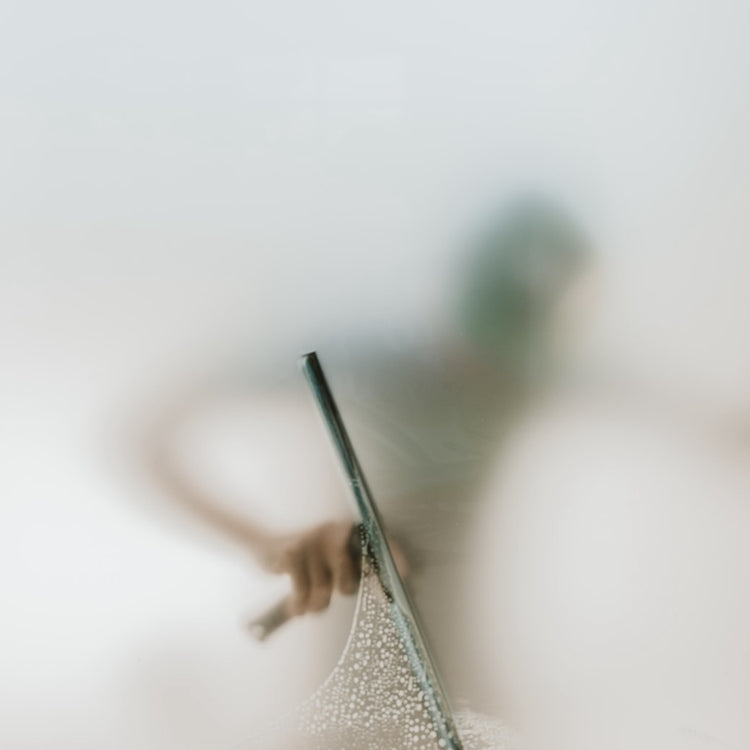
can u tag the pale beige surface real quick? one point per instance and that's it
(617, 567)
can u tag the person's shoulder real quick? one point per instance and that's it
(382, 367)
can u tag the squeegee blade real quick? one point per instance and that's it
(402, 608)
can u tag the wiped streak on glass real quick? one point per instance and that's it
(401, 608)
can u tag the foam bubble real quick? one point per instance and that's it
(371, 700)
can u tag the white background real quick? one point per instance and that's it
(182, 184)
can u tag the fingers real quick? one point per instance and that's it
(294, 563)
(345, 565)
(318, 562)
(320, 575)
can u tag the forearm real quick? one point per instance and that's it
(172, 473)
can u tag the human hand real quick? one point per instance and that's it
(319, 561)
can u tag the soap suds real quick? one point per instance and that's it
(371, 700)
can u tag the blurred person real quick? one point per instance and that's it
(427, 422)
(610, 539)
